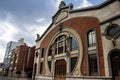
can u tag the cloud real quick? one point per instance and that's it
(8, 29)
(41, 28)
(26, 18)
(7, 32)
(55, 3)
(84, 3)
(39, 20)
(29, 31)
(77, 3)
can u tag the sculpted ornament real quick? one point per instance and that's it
(62, 16)
(62, 4)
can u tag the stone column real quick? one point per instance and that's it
(68, 65)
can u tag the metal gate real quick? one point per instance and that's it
(60, 70)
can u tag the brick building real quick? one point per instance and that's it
(80, 44)
(21, 61)
(10, 46)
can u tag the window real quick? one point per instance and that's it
(41, 67)
(74, 45)
(91, 38)
(112, 31)
(50, 52)
(60, 47)
(60, 44)
(49, 65)
(42, 54)
(73, 63)
(63, 46)
(36, 54)
(93, 68)
(56, 48)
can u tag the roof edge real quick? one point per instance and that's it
(44, 33)
(94, 7)
(78, 10)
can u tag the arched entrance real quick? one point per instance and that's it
(115, 65)
(60, 70)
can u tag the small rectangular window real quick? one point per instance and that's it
(73, 44)
(36, 54)
(91, 36)
(49, 65)
(41, 67)
(93, 67)
(42, 54)
(56, 48)
(73, 62)
(60, 47)
(50, 52)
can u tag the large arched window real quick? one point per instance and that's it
(63, 46)
(91, 38)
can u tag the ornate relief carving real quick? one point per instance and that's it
(76, 72)
(61, 16)
(62, 4)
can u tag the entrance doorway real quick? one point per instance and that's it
(60, 70)
(115, 65)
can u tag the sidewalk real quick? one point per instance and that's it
(10, 78)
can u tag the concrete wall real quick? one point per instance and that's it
(108, 46)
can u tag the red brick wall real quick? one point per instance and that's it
(30, 57)
(24, 58)
(45, 43)
(21, 57)
(81, 25)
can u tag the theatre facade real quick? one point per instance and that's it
(80, 44)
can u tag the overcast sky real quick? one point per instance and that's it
(26, 18)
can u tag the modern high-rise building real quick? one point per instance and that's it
(10, 46)
(80, 44)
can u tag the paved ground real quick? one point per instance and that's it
(9, 78)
